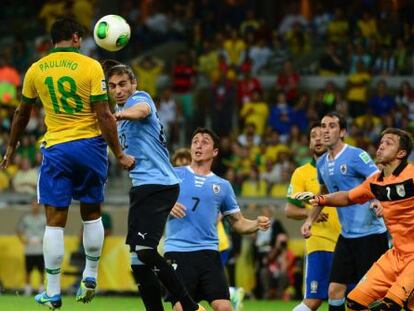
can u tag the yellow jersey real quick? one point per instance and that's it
(224, 242)
(324, 234)
(67, 83)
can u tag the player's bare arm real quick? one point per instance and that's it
(20, 120)
(137, 112)
(245, 226)
(293, 211)
(107, 124)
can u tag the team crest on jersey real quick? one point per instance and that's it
(216, 188)
(343, 168)
(314, 287)
(400, 190)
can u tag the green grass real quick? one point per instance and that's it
(22, 303)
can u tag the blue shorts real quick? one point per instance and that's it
(73, 170)
(317, 270)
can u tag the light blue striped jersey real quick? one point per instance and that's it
(145, 141)
(349, 169)
(204, 197)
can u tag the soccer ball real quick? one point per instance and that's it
(112, 32)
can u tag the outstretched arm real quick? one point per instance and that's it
(245, 226)
(134, 113)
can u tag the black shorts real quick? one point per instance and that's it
(202, 273)
(353, 257)
(149, 208)
(34, 261)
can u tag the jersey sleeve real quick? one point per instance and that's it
(363, 164)
(229, 204)
(362, 193)
(98, 83)
(29, 93)
(142, 98)
(296, 185)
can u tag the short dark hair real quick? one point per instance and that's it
(181, 153)
(406, 140)
(214, 136)
(341, 118)
(63, 29)
(112, 67)
(312, 126)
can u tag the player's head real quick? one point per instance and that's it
(395, 144)
(204, 145)
(67, 29)
(333, 127)
(121, 80)
(181, 157)
(316, 146)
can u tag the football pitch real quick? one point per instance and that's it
(115, 303)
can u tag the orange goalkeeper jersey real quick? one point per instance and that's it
(396, 194)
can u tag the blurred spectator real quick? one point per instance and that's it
(299, 117)
(250, 23)
(281, 116)
(280, 52)
(298, 40)
(381, 102)
(208, 61)
(147, 69)
(274, 146)
(83, 12)
(260, 54)
(30, 230)
(52, 10)
(222, 105)
(357, 85)
(405, 97)
(359, 54)
(338, 28)
(368, 26)
(321, 20)
(183, 79)
(27, 148)
(234, 46)
(384, 64)
(249, 137)
(288, 81)
(253, 186)
(21, 54)
(9, 80)
(280, 269)
(264, 242)
(403, 62)
(169, 114)
(330, 63)
(247, 86)
(291, 18)
(25, 180)
(255, 111)
(224, 158)
(327, 99)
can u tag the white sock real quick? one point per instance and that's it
(93, 237)
(301, 307)
(53, 250)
